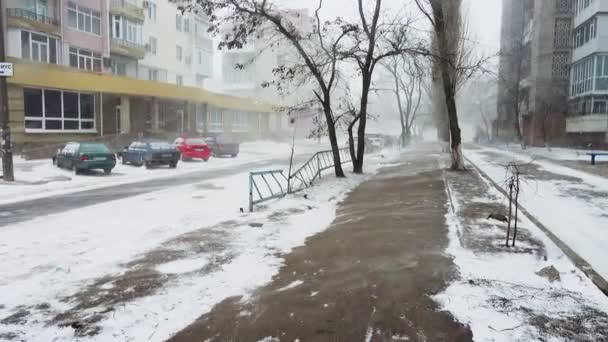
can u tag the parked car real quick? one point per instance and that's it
(85, 156)
(150, 153)
(223, 146)
(193, 148)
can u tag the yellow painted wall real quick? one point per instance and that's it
(61, 77)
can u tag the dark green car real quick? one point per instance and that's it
(85, 156)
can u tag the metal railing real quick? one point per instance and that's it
(305, 176)
(129, 44)
(27, 14)
(268, 185)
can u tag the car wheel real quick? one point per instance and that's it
(148, 165)
(77, 171)
(107, 171)
(233, 156)
(173, 165)
(206, 159)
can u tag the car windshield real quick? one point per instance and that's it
(160, 146)
(196, 142)
(94, 148)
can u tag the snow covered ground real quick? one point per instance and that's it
(47, 264)
(571, 203)
(555, 153)
(39, 178)
(499, 293)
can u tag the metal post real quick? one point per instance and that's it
(319, 166)
(5, 141)
(250, 193)
(101, 113)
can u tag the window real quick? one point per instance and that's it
(200, 80)
(151, 11)
(199, 57)
(581, 5)
(215, 120)
(117, 27)
(599, 107)
(153, 45)
(56, 110)
(38, 47)
(153, 74)
(178, 22)
(179, 80)
(134, 32)
(186, 25)
(84, 19)
(179, 53)
(240, 121)
(85, 60)
(585, 32)
(119, 68)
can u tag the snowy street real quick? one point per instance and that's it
(180, 262)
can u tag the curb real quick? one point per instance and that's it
(578, 261)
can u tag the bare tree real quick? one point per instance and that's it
(447, 59)
(381, 35)
(318, 50)
(408, 77)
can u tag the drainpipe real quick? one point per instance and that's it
(62, 44)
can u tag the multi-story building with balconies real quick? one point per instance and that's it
(587, 123)
(533, 72)
(86, 69)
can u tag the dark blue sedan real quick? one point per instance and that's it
(150, 153)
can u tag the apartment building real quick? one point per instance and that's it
(86, 69)
(248, 70)
(587, 123)
(535, 57)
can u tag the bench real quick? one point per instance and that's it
(595, 154)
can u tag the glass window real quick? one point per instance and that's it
(186, 25)
(87, 106)
(85, 60)
(32, 101)
(151, 11)
(178, 22)
(178, 53)
(25, 44)
(47, 109)
(70, 105)
(83, 19)
(52, 103)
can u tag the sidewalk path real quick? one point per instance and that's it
(368, 277)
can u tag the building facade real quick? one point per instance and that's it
(587, 123)
(89, 69)
(250, 71)
(536, 48)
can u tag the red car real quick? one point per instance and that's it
(193, 148)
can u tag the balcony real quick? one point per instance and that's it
(30, 20)
(130, 8)
(590, 123)
(126, 48)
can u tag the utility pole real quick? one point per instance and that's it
(5, 141)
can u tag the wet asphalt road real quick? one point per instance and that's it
(23, 211)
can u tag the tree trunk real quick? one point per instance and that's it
(358, 163)
(449, 89)
(400, 107)
(331, 130)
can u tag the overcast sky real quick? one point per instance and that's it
(483, 15)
